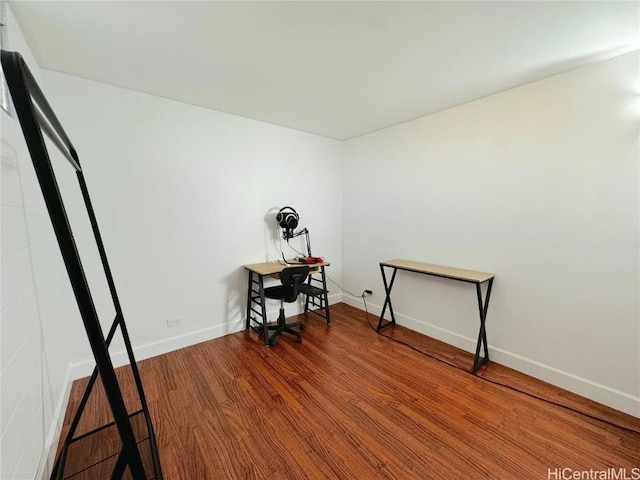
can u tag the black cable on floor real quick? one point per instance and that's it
(504, 385)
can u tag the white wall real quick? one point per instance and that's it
(38, 315)
(538, 185)
(185, 196)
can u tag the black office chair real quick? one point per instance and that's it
(291, 278)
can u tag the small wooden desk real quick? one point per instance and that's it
(469, 276)
(256, 299)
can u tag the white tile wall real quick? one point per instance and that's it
(11, 193)
(14, 235)
(16, 378)
(37, 340)
(16, 273)
(34, 356)
(17, 320)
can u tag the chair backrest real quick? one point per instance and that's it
(293, 277)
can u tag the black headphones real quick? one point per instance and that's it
(287, 218)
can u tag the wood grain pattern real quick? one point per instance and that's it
(274, 268)
(439, 270)
(348, 403)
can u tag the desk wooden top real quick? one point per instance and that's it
(439, 271)
(270, 268)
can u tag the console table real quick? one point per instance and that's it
(468, 276)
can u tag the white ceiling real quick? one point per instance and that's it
(337, 69)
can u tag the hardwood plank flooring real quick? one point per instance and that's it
(348, 403)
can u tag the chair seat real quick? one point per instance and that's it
(280, 292)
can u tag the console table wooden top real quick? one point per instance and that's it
(439, 270)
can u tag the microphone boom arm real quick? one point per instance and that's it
(289, 234)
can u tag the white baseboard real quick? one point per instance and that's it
(603, 394)
(581, 386)
(85, 367)
(52, 439)
(119, 358)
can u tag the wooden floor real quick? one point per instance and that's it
(348, 403)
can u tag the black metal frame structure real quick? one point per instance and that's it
(292, 278)
(316, 288)
(36, 116)
(256, 296)
(483, 306)
(317, 301)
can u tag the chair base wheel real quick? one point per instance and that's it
(298, 339)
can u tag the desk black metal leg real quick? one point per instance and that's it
(265, 327)
(249, 299)
(319, 293)
(387, 300)
(482, 335)
(326, 295)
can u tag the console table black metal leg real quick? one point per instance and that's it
(387, 301)
(482, 335)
